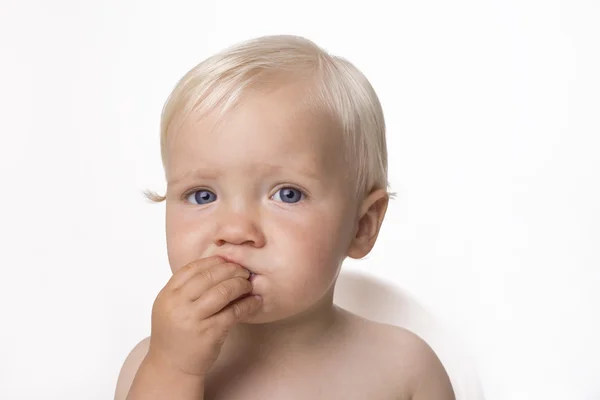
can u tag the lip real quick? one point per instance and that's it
(229, 260)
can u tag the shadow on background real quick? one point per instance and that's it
(379, 301)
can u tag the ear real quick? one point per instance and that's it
(370, 217)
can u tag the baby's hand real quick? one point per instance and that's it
(193, 313)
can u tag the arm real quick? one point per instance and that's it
(130, 368)
(433, 381)
(143, 378)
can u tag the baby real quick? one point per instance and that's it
(276, 165)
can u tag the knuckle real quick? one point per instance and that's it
(241, 284)
(207, 275)
(192, 265)
(186, 269)
(237, 311)
(162, 299)
(225, 290)
(235, 268)
(224, 269)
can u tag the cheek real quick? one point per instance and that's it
(184, 241)
(313, 247)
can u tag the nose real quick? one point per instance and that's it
(239, 228)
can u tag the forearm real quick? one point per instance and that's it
(154, 381)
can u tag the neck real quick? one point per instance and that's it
(298, 333)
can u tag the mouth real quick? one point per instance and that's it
(252, 274)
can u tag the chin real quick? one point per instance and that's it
(265, 316)
(258, 318)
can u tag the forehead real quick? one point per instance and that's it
(275, 128)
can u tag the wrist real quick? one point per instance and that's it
(158, 379)
(161, 363)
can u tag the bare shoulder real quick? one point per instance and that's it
(426, 377)
(130, 368)
(411, 360)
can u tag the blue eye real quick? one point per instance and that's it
(203, 196)
(289, 195)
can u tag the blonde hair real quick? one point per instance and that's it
(337, 87)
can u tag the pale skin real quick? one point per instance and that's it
(265, 191)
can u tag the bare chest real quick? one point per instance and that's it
(340, 379)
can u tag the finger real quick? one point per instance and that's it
(238, 311)
(182, 275)
(219, 296)
(200, 283)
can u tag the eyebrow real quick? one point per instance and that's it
(211, 173)
(193, 173)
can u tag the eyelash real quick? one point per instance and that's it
(303, 193)
(287, 186)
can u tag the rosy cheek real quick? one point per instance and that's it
(314, 242)
(185, 243)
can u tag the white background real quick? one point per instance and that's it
(493, 126)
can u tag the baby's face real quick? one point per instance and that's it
(267, 190)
